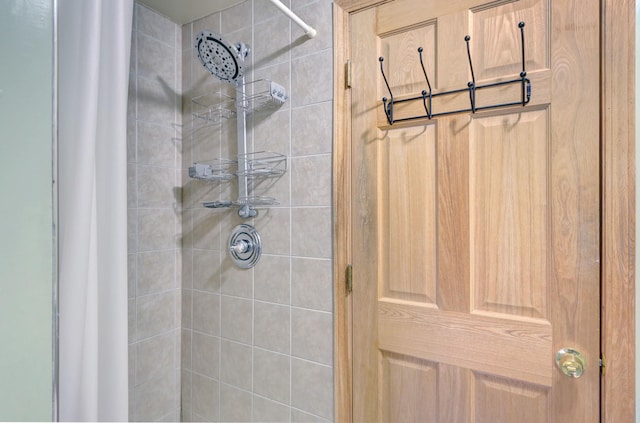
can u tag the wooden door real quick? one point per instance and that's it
(475, 236)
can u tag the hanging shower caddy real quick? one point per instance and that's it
(427, 96)
(225, 61)
(247, 166)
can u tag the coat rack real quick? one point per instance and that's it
(427, 96)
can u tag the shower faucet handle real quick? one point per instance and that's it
(244, 246)
(241, 246)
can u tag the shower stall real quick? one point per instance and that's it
(230, 288)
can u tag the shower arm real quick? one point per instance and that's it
(284, 9)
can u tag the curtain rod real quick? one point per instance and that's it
(307, 29)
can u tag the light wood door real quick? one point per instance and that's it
(475, 237)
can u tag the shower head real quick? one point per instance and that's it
(223, 60)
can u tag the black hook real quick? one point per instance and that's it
(424, 92)
(526, 85)
(472, 83)
(521, 26)
(427, 96)
(388, 108)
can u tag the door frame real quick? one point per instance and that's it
(617, 138)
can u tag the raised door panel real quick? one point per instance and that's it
(506, 401)
(402, 61)
(402, 378)
(407, 204)
(497, 45)
(509, 200)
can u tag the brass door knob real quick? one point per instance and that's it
(570, 362)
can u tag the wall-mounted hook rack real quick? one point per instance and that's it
(427, 97)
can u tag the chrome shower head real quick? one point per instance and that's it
(223, 60)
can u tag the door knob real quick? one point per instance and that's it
(570, 362)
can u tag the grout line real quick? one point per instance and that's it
(271, 400)
(328, 366)
(157, 293)
(322, 50)
(220, 270)
(153, 337)
(178, 263)
(309, 207)
(133, 340)
(310, 413)
(311, 309)
(290, 209)
(314, 155)
(159, 40)
(273, 352)
(253, 274)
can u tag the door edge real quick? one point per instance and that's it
(617, 57)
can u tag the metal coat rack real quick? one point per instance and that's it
(427, 96)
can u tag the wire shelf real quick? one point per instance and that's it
(262, 163)
(266, 95)
(213, 107)
(251, 201)
(214, 170)
(217, 204)
(261, 94)
(256, 201)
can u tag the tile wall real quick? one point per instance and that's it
(154, 201)
(257, 344)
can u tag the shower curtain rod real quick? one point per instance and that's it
(307, 29)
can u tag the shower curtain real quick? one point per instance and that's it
(94, 41)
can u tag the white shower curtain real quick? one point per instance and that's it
(94, 41)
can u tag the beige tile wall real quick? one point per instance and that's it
(154, 201)
(257, 344)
